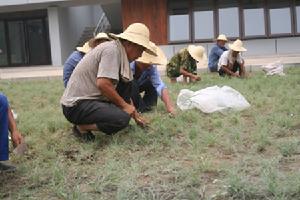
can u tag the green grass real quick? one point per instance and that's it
(253, 154)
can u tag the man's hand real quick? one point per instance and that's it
(139, 120)
(235, 75)
(16, 138)
(130, 109)
(195, 78)
(171, 111)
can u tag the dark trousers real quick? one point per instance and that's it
(236, 67)
(3, 128)
(107, 116)
(145, 103)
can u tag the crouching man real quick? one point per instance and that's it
(97, 96)
(232, 62)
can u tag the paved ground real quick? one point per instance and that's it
(48, 71)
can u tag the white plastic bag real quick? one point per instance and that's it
(274, 68)
(212, 99)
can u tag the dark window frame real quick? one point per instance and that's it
(24, 17)
(266, 7)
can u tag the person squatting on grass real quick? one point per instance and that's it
(7, 123)
(97, 96)
(185, 63)
(146, 79)
(78, 54)
(216, 52)
(231, 61)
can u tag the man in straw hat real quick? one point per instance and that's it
(147, 80)
(185, 63)
(78, 54)
(216, 52)
(7, 123)
(231, 61)
(97, 96)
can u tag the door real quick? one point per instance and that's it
(27, 43)
(37, 42)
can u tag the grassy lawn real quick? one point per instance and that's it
(254, 154)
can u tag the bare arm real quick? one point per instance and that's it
(107, 88)
(188, 74)
(228, 71)
(12, 126)
(167, 101)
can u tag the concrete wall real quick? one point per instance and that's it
(71, 23)
(261, 47)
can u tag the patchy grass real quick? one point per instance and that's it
(254, 154)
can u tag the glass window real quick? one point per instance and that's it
(229, 18)
(3, 50)
(17, 42)
(298, 15)
(203, 20)
(179, 21)
(254, 18)
(280, 17)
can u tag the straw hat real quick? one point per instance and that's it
(147, 58)
(237, 46)
(101, 36)
(197, 52)
(222, 37)
(137, 33)
(85, 48)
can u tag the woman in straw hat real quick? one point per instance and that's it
(78, 54)
(147, 80)
(231, 61)
(97, 96)
(216, 52)
(185, 63)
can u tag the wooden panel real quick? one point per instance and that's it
(153, 13)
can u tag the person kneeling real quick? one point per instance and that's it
(147, 80)
(185, 63)
(231, 61)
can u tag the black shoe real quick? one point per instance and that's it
(7, 168)
(86, 137)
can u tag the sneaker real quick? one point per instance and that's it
(86, 137)
(7, 168)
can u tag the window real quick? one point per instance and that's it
(3, 51)
(179, 21)
(228, 18)
(298, 16)
(203, 20)
(280, 17)
(254, 18)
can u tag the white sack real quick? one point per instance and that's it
(274, 68)
(212, 99)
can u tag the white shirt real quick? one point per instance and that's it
(226, 59)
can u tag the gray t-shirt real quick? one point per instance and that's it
(102, 61)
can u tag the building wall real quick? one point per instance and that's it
(71, 24)
(152, 13)
(255, 48)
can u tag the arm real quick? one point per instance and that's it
(188, 74)
(228, 71)
(12, 126)
(107, 88)
(167, 101)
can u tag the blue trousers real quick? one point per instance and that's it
(3, 128)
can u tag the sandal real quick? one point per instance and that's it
(86, 137)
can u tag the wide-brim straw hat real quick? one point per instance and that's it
(222, 37)
(147, 58)
(100, 36)
(237, 46)
(85, 48)
(197, 52)
(137, 33)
